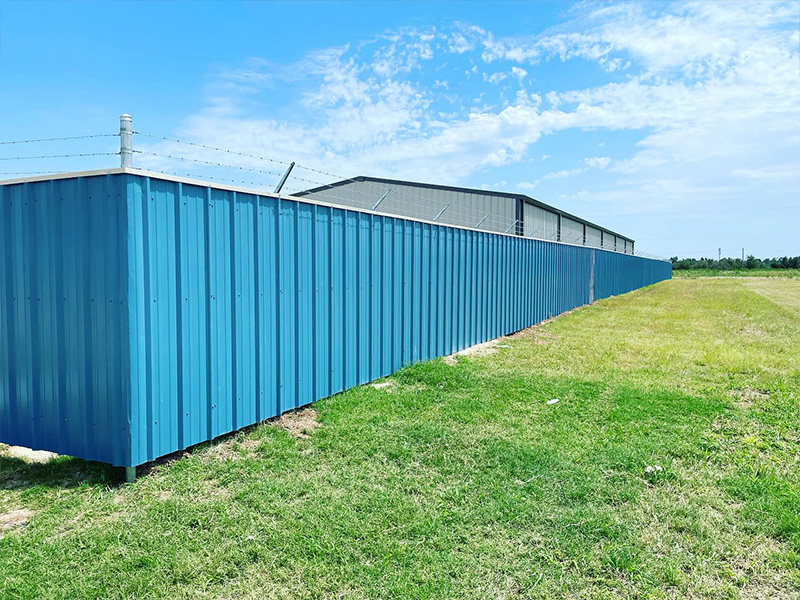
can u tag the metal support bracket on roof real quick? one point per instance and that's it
(386, 193)
(436, 218)
(512, 225)
(284, 178)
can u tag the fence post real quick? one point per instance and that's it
(126, 141)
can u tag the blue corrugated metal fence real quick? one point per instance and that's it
(142, 315)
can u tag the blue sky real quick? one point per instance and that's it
(677, 124)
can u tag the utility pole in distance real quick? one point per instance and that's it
(719, 254)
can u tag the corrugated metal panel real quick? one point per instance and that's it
(539, 223)
(592, 237)
(571, 231)
(190, 311)
(63, 311)
(493, 211)
(463, 209)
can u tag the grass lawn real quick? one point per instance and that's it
(461, 481)
(790, 273)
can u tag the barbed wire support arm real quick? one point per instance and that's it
(436, 218)
(281, 183)
(381, 199)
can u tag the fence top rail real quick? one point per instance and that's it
(268, 194)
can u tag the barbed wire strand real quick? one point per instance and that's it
(59, 156)
(491, 221)
(494, 222)
(426, 201)
(426, 204)
(32, 172)
(207, 162)
(367, 205)
(58, 139)
(207, 147)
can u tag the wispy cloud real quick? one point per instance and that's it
(711, 91)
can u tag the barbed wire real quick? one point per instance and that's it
(207, 147)
(426, 202)
(58, 139)
(456, 215)
(31, 172)
(59, 156)
(649, 255)
(490, 221)
(207, 162)
(367, 204)
(427, 205)
(200, 178)
(496, 222)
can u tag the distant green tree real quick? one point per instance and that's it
(728, 264)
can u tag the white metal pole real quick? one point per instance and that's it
(126, 140)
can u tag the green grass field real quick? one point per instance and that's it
(788, 273)
(669, 468)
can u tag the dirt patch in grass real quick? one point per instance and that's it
(484, 349)
(535, 332)
(384, 385)
(747, 397)
(235, 447)
(36, 456)
(15, 518)
(151, 467)
(300, 424)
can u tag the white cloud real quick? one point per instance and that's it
(564, 173)
(597, 162)
(712, 91)
(580, 195)
(768, 173)
(494, 77)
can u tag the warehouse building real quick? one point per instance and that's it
(501, 212)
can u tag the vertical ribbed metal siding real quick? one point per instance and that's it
(571, 231)
(420, 202)
(465, 209)
(191, 311)
(592, 237)
(539, 223)
(278, 303)
(63, 309)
